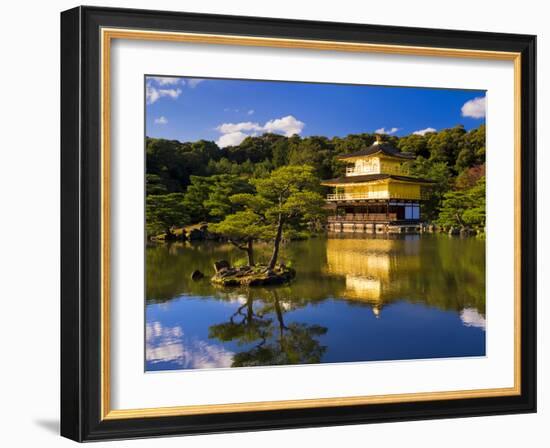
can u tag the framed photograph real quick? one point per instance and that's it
(275, 224)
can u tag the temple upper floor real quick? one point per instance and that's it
(376, 165)
(379, 158)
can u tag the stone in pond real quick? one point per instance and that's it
(197, 275)
(221, 264)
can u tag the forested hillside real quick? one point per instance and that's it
(191, 182)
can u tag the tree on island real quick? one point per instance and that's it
(285, 204)
(241, 229)
(292, 202)
(162, 212)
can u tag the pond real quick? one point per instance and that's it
(354, 299)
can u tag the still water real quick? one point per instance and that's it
(353, 299)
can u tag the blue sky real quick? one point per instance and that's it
(226, 111)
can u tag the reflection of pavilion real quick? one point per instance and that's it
(374, 269)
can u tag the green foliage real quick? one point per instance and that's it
(280, 153)
(285, 204)
(197, 192)
(290, 198)
(415, 144)
(209, 176)
(174, 162)
(314, 151)
(162, 212)
(207, 198)
(474, 216)
(242, 226)
(444, 146)
(440, 173)
(464, 207)
(352, 143)
(221, 188)
(154, 184)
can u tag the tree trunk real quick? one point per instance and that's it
(250, 253)
(249, 249)
(276, 244)
(280, 320)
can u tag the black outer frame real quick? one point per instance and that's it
(80, 223)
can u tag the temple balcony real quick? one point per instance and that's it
(368, 195)
(361, 196)
(363, 217)
(367, 169)
(358, 196)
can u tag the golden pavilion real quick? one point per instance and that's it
(376, 194)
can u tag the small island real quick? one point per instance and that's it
(252, 275)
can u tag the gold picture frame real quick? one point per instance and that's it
(106, 33)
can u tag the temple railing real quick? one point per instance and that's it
(352, 171)
(363, 217)
(374, 195)
(352, 196)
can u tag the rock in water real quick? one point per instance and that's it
(197, 275)
(253, 276)
(222, 264)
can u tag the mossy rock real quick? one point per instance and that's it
(253, 276)
(197, 275)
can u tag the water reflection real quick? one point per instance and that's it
(472, 318)
(354, 299)
(270, 339)
(168, 346)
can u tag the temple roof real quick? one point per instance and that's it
(371, 178)
(379, 147)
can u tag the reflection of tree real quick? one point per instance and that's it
(276, 342)
(244, 326)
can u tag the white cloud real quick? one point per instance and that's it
(235, 133)
(287, 125)
(471, 318)
(161, 120)
(159, 86)
(152, 94)
(170, 344)
(228, 128)
(173, 93)
(250, 112)
(194, 82)
(424, 131)
(231, 139)
(166, 80)
(386, 131)
(474, 108)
